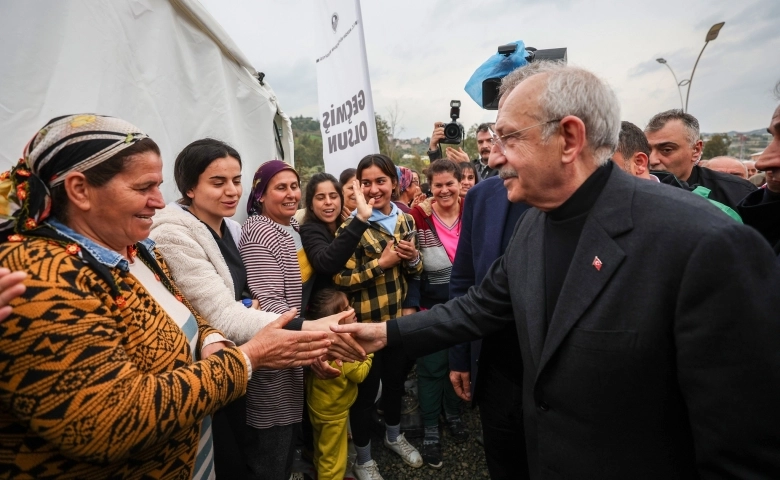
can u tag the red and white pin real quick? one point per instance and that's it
(597, 263)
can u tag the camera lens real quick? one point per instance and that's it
(452, 130)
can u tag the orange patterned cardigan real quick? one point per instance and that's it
(89, 389)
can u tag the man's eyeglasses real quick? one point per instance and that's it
(496, 139)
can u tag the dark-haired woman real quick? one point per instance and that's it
(200, 244)
(106, 370)
(438, 228)
(329, 254)
(375, 276)
(468, 177)
(280, 276)
(348, 192)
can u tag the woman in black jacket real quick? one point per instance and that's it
(326, 253)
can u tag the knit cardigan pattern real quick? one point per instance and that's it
(94, 387)
(202, 273)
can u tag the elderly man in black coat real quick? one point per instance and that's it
(761, 209)
(649, 341)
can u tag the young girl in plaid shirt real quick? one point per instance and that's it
(376, 277)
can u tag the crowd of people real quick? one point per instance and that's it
(604, 298)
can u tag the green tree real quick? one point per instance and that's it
(307, 142)
(470, 142)
(305, 124)
(383, 134)
(717, 146)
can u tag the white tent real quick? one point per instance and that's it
(165, 66)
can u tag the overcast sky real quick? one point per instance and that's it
(421, 53)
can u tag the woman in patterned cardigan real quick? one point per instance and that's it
(105, 370)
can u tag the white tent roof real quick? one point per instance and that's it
(166, 66)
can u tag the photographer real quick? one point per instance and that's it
(458, 155)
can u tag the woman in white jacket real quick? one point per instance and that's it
(200, 245)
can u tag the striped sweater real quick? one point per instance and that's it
(92, 386)
(274, 397)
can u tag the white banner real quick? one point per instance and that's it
(343, 86)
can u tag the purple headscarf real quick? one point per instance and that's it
(260, 182)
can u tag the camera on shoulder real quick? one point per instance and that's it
(453, 131)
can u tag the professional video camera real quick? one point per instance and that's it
(483, 85)
(453, 131)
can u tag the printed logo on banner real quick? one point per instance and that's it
(343, 86)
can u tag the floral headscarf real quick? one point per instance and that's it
(404, 178)
(73, 143)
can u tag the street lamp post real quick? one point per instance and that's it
(679, 90)
(712, 34)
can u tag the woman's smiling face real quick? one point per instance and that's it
(280, 200)
(378, 185)
(445, 188)
(326, 203)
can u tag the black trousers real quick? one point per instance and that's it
(227, 425)
(391, 366)
(270, 451)
(500, 402)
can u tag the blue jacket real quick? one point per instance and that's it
(482, 228)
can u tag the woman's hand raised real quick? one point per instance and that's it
(364, 209)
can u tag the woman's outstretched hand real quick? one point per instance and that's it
(276, 348)
(343, 347)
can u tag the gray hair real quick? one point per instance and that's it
(578, 92)
(660, 120)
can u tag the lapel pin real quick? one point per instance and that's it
(597, 263)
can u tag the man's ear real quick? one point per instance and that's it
(79, 191)
(697, 150)
(573, 138)
(641, 163)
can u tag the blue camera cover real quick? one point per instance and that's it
(496, 66)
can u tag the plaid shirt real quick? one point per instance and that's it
(377, 294)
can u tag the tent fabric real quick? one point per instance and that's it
(166, 66)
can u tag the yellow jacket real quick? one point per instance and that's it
(331, 399)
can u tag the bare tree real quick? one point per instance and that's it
(394, 116)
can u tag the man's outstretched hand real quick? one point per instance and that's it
(370, 336)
